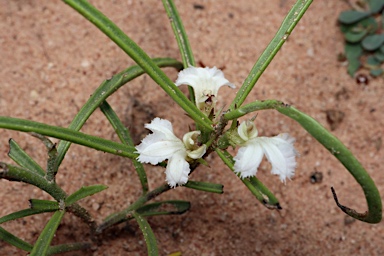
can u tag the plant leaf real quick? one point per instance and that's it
(350, 17)
(353, 53)
(149, 236)
(379, 56)
(111, 30)
(205, 186)
(68, 248)
(376, 72)
(353, 66)
(125, 138)
(376, 5)
(373, 42)
(372, 61)
(181, 38)
(352, 37)
(44, 240)
(45, 205)
(287, 26)
(164, 208)
(17, 154)
(22, 214)
(14, 240)
(83, 192)
(69, 135)
(107, 88)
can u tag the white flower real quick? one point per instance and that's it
(206, 83)
(279, 151)
(163, 144)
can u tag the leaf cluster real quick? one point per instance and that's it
(363, 32)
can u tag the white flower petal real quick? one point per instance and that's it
(248, 159)
(162, 126)
(177, 170)
(281, 154)
(157, 152)
(205, 81)
(159, 145)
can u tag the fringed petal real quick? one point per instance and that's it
(177, 170)
(248, 159)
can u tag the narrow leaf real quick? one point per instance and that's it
(22, 214)
(45, 205)
(164, 208)
(125, 137)
(14, 240)
(69, 135)
(205, 186)
(149, 236)
(42, 244)
(52, 155)
(17, 154)
(286, 28)
(141, 58)
(107, 88)
(180, 34)
(68, 248)
(181, 38)
(84, 192)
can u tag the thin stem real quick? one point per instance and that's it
(118, 217)
(258, 189)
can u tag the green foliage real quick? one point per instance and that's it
(360, 30)
(363, 34)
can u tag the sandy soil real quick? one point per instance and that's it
(52, 59)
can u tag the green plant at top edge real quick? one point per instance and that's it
(363, 30)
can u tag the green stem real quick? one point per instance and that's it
(258, 189)
(181, 38)
(118, 217)
(15, 173)
(289, 23)
(125, 137)
(140, 57)
(333, 145)
(107, 88)
(68, 135)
